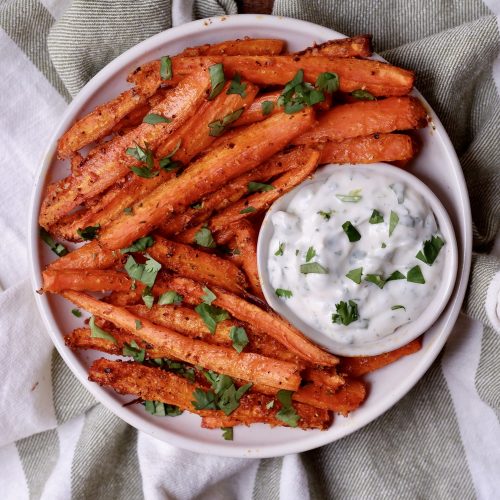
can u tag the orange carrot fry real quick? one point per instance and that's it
(112, 162)
(358, 46)
(378, 78)
(196, 264)
(255, 112)
(369, 149)
(101, 121)
(89, 256)
(366, 364)
(251, 367)
(153, 384)
(246, 241)
(229, 193)
(265, 322)
(247, 46)
(367, 117)
(251, 147)
(90, 280)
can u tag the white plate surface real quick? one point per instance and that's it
(437, 165)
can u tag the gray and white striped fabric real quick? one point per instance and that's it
(441, 441)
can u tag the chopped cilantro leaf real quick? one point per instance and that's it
(363, 95)
(328, 82)
(204, 400)
(260, 187)
(248, 210)
(127, 211)
(239, 337)
(153, 119)
(217, 127)
(355, 275)
(347, 312)
(287, 413)
(267, 107)
(376, 217)
(134, 351)
(139, 245)
(376, 279)
(204, 238)
(159, 409)
(166, 68)
(211, 315)
(227, 433)
(169, 297)
(89, 232)
(208, 296)
(351, 232)
(76, 312)
(145, 273)
(398, 306)
(237, 87)
(313, 268)
(311, 253)
(393, 222)
(326, 215)
(58, 248)
(281, 249)
(217, 80)
(99, 333)
(167, 163)
(430, 250)
(138, 324)
(415, 275)
(281, 292)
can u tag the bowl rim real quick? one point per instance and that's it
(233, 449)
(407, 332)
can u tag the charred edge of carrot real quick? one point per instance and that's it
(357, 46)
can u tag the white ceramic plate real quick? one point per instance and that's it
(437, 165)
(403, 334)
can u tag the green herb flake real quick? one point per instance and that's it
(313, 268)
(89, 232)
(169, 297)
(285, 294)
(383, 245)
(281, 249)
(347, 313)
(363, 95)
(227, 433)
(393, 222)
(298, 94)
(431, 249)
(396, 275)
(167, 163)
(218, 127)
(376, 279)
(145, 273)
(254, 187)
(398, 306)
(326, 215)
(139, 245)
(153, 119)
(144, 156)
(217, 80)
(166, 68)
(267, 107)
(311, 253)
(134, 351)
(351, 232)
(248, 210)
(128, 211)
(287, 413)
(239, 337)
(353, 196)
(355, 275)
(147, 298)
(58, 248)
(204, 238)
(415, 275)
(211, 315)
(159, 409)
(99, 333)
(204, 400)
(208, 296)
(376, 217)
(76, 312)
(138, 324)
(328, 82)
(237, 87)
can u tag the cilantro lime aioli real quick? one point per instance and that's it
(343, 256)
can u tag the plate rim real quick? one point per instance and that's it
(166, 435)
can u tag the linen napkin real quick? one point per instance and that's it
(442, 440)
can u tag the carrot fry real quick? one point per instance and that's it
(229, 193)
(135, 117)
(366, 364)
(246, 241)
(195, 264)
(251, 147)
(367, 117)
(378, 78)
(264, 322)
(369, 149)
(90, 280)
(193, 137)
(76, 161)
(153, 384)
(358, 46)
(251, 367)
(255, 112)
(101, 121)
(89, 256)
(81, 338)
(260, 201)
(112, 162)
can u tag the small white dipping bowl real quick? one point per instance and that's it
(403, 334)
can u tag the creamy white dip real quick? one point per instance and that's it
(310, 232)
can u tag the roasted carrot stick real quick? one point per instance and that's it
(366, 364)
(196, 264)
(252, 146)
(247, 46)
(365, 118)
(251, 367)
(160, 385)
(369, 149)
(358, 46)
(259, 110)
(112, 162)
(261, 321)
(90, 280)
(89, 256)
